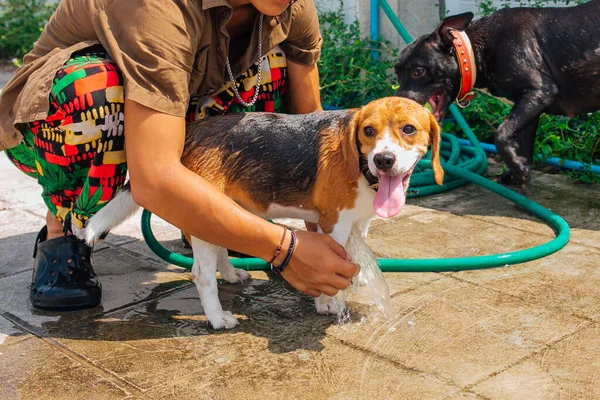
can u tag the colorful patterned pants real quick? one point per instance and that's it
(77, 153)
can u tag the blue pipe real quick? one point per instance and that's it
(374, 27)
(553, 161)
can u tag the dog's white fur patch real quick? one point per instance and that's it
(117, 211)
(361, 215)
(278, 211)
(405, 159)
(206, 258)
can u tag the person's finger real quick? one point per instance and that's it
(338, 249)
(338, 281)
(347, 269)
(313, 293)
(328, 290)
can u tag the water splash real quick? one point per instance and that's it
(339, 300)
(370, 277)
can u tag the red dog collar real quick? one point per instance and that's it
(466, 63)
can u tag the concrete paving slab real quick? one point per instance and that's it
(587, 234)
(503, 213)
(459, 332)
(155, 339)
(490, 208)
(338, 372)
(555, 192)
(433, 234)
(166, 348)
(568, 280)
(568, 369)
(10, 334)
(6, 72)
(439, 234)
(454, 196)
(19, 191)
(17, 237)
(32, 369)
(125, 280)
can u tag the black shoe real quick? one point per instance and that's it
(63, 275)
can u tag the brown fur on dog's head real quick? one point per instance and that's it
(389, 116)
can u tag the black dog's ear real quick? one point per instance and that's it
(455, 22)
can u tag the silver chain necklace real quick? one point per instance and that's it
(258, 75)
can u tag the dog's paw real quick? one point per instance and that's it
(80, 233)
(222, 320)
(509, 178)
(234, 275)
(328, 305)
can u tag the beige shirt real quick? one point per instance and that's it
(166, 50)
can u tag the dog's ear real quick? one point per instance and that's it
(435, 139)
(350, 148)
(455, 22)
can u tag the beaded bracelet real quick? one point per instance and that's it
(278, 249)
(277, 270)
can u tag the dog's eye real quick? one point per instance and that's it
(409, 129)
(369, 131)
(418, 72)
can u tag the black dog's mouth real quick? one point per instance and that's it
(439, 102)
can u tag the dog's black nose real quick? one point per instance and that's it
(384, 160)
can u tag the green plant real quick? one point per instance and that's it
(21, 22)
(350, 76)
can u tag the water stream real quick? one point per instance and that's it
(370, 279)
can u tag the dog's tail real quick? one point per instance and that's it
(119, 209)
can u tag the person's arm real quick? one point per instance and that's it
(161, 184)
(303, 94)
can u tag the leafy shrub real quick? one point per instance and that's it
(21, 23)
(576, 138)
(350, 76)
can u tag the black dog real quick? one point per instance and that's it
(542, 59)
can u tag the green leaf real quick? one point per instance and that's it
(83, 199)
(96, 197)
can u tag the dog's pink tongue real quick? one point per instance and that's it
(390, 196)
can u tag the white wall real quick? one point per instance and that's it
(461, 6)
(417, 16)
(351, 8)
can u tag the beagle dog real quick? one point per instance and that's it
(334, 168)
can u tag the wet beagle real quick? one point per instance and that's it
(334, 168)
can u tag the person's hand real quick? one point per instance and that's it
(319, 265)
